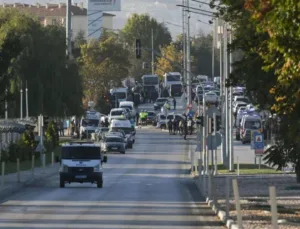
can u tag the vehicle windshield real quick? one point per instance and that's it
(162, 117)
(127, 130)
(115, 113)
(126, 107)
(161, 100)
(90, 122)
(150, 80)
(176, 87)
(173, 77)
(151, 114)
(242, 100)
(111, 139)
(252, 124)
(81, 152)
(120, 95)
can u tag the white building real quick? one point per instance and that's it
(55, 14)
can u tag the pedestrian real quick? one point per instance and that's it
(185, 128)
(174, 103)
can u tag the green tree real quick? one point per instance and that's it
(100, 63)
(41, 62)
(139, 27)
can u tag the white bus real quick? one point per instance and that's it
(119, 93)
(150, 83)
(172, 78)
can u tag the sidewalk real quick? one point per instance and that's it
(11, 184)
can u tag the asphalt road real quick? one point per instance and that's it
(148, 188)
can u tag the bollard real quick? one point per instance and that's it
(209, 185)
(2, 174)
(204, 183)
(213, 190)
(227, 187)
(52, 158)
(272, 192)
(32, 164)
(18, 170)
(238, 166)
(237, 203)
(44, 160)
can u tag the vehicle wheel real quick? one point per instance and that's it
(100, 184)
(61, 183)
(130, 146)
(122, 152)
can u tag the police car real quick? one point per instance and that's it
(89, 123)
(81, 162)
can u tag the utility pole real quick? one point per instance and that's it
(231, 153)
(183, 41)
(69, 29)
(152, 41)
(188, 81)
(6, 106)
(26, 95)
(213, 52)
(226, 92)
(21, 101)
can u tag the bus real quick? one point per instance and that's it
(172, 78)
(150, 83)
(175, 89)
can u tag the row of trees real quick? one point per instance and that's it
(33, 54)
(267, 33)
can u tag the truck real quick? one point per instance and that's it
(81, 162)
(89, 123)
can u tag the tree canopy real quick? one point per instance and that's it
(268, 34)
(36, 55)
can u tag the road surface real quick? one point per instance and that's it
(147, 188)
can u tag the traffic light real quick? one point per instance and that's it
(138, 48)
(218, 119)
(199, 120)
(46, 120)
(211, 126)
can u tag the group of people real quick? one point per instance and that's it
(183, 127)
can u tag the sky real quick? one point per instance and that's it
(162, 10)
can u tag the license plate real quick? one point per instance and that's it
(114, 148)
(80, 177)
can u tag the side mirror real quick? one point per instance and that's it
(105, 159)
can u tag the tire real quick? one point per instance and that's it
(61, 183)
(122, 152)
(100, 184)
(130, 146)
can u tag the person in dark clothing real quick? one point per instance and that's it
(185, 128)
(170, 125)
(174, 126)
(137, 117)
(174, 103)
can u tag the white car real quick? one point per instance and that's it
(117, 113)
(211, 97)
(237, 105)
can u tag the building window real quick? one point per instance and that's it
(53, 21)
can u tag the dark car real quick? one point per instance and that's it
(159, 103)
(112, 143)
(151, 117)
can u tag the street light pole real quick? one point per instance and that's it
(188, 80)
(27, 113)
(152, 42)
(231, 153)
(226, 92)
(68, 28)
(21, 101)
(183, 42)
(213, 52)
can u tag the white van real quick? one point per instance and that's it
(130, 106)
(126, 126)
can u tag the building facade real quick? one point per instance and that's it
(55, 14)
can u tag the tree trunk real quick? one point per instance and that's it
(297, 171)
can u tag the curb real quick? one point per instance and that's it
(229, 223)
(13, 189)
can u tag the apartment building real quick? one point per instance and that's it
(55, 14)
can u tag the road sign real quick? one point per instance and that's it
(258, 143)
(253, 132)
(211, 144)
(212, 110)
(259, 152)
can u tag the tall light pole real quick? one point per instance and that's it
(231, 153)
(188, 79)
(6, 106)
(27, 112)
(21, 101)
(152, 43)
(68, 28)
(183, 41)
(226, 91)
(213, 52)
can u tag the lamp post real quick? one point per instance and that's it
(21, 101)
(27, 112)
(188, 79)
